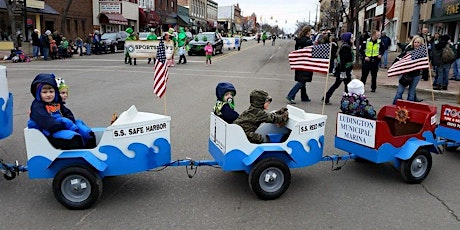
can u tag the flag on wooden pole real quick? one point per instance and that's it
(414, 60)
(312, 58)
(160, 74)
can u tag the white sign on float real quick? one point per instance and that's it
(356, 129)
(148, 48)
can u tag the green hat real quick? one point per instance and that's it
(61, 84)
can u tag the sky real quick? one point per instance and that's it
(280, 10)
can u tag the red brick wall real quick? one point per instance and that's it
(79, 20)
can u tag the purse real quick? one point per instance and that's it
(405, 80)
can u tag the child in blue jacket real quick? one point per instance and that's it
(225, 104)
(49, 114)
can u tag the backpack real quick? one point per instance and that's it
(448, 55)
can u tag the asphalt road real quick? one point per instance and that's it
(359, 196)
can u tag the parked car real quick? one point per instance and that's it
(198, 43)
(114, 41)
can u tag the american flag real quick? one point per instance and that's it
(386, 21)
(160, 74)
(312, 58)
(414, 60)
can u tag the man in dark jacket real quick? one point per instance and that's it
(36, 44)
(386, 42)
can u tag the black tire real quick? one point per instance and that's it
(269, 178)
(452, 148)
(77, 187)
(222, 50)
(239, 48)
(9, 175)
(417, 168)
(190, 53)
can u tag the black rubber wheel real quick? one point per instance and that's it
(417, 168)
(239, 48)
(269, 178)
(190, 53)
(77, 187)
(9, 175)
(452, 148)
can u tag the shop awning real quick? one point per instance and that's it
(153, 18)
(142, 17)
(450, 18)
(112, 19)
(390, 9)
(184, 18)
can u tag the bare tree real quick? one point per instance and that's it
(331, 14)
(13, 6)
(64, 14)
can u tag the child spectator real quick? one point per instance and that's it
(53, 119)
(181, 53)
(53, 49)
(208, 52)
(225, 104)
(250, 119)
(355, 102)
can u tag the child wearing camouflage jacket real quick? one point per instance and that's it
(250, 119)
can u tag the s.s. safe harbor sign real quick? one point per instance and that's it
(147, 49)
(356, 129)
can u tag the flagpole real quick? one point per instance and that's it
(164, 105)
(429, 72)
(327, 77)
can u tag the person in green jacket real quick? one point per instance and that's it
(131, 37)
(151, 37)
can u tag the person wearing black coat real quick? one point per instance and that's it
(344, 66)
(301, 77)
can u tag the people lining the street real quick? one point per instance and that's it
(443, 57)
(372, 51)
(386, 42)
(36, 44)
(412, 78)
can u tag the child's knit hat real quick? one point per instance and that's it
(61, 84)
(356, 86)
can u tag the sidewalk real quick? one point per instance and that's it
(423, 86)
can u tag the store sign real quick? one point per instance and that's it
(110, 7)
(452, 9)
(37, 4)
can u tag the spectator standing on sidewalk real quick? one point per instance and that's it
(386, 42)
(456, 64)
(415, 75)
(45, 44)
(36, 44)
(372, 51)
(442, 60)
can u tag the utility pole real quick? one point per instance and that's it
(416, 17)
(384, 17)
(26, 36)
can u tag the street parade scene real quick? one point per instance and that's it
(186, 114)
